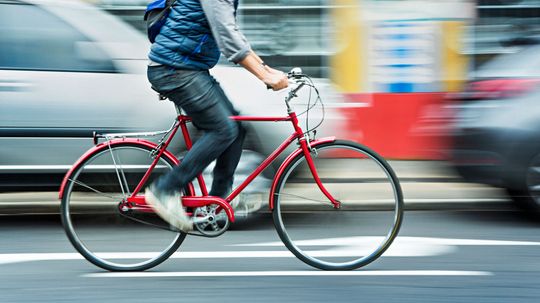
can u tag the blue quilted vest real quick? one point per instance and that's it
(185, 40)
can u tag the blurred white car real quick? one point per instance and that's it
(68, 69)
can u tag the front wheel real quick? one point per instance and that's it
(349, 237)
(95, 217)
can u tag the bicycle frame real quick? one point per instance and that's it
(197, 201)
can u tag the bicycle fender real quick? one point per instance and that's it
(286, 163)
(105, 145)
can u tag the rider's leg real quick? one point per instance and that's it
(204, 101)
(227, 162)
(226, 165)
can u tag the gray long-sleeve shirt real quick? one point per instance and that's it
(221, 17)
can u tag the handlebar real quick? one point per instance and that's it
(296, 77)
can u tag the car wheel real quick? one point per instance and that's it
(528, 198)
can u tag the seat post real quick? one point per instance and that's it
(178, 110)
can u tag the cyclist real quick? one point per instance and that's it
(188, 45)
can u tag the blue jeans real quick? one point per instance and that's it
(202, 98)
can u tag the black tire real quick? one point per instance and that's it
(305, 226)
(89, 205)
(528, 196)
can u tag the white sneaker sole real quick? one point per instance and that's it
(174, 214)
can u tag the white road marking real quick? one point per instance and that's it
(451, 200)
(28, 257)
(399, 241)
(18, 258)
(290, 273)
(352, 246)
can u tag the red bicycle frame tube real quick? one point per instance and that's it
(298, 134)
(262, 167)
(305, 148)
(309, 159)
(246, 118)
(287, 162)
(139, 203)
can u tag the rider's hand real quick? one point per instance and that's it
(275, 79)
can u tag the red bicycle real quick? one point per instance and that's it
(336, 204)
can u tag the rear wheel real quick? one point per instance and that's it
(353, 235)
(97, 225)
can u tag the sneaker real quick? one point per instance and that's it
(168, 207)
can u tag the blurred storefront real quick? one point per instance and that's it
(395, 60)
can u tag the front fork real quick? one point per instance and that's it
(308, 150)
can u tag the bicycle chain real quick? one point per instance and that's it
(165, 228)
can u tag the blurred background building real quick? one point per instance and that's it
(300, 32)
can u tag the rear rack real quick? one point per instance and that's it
(109, 136)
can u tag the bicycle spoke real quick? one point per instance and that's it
(96, 191)
(204, 225)
(307, 199)
(367, 221)
(96, 227)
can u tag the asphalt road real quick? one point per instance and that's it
(439, 256)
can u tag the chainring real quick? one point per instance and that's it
(210, 220)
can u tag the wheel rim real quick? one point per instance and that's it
(92, 220)
(336, 247)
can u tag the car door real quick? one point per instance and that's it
(56, 87)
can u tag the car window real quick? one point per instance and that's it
(34, 39)
(524, 63)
